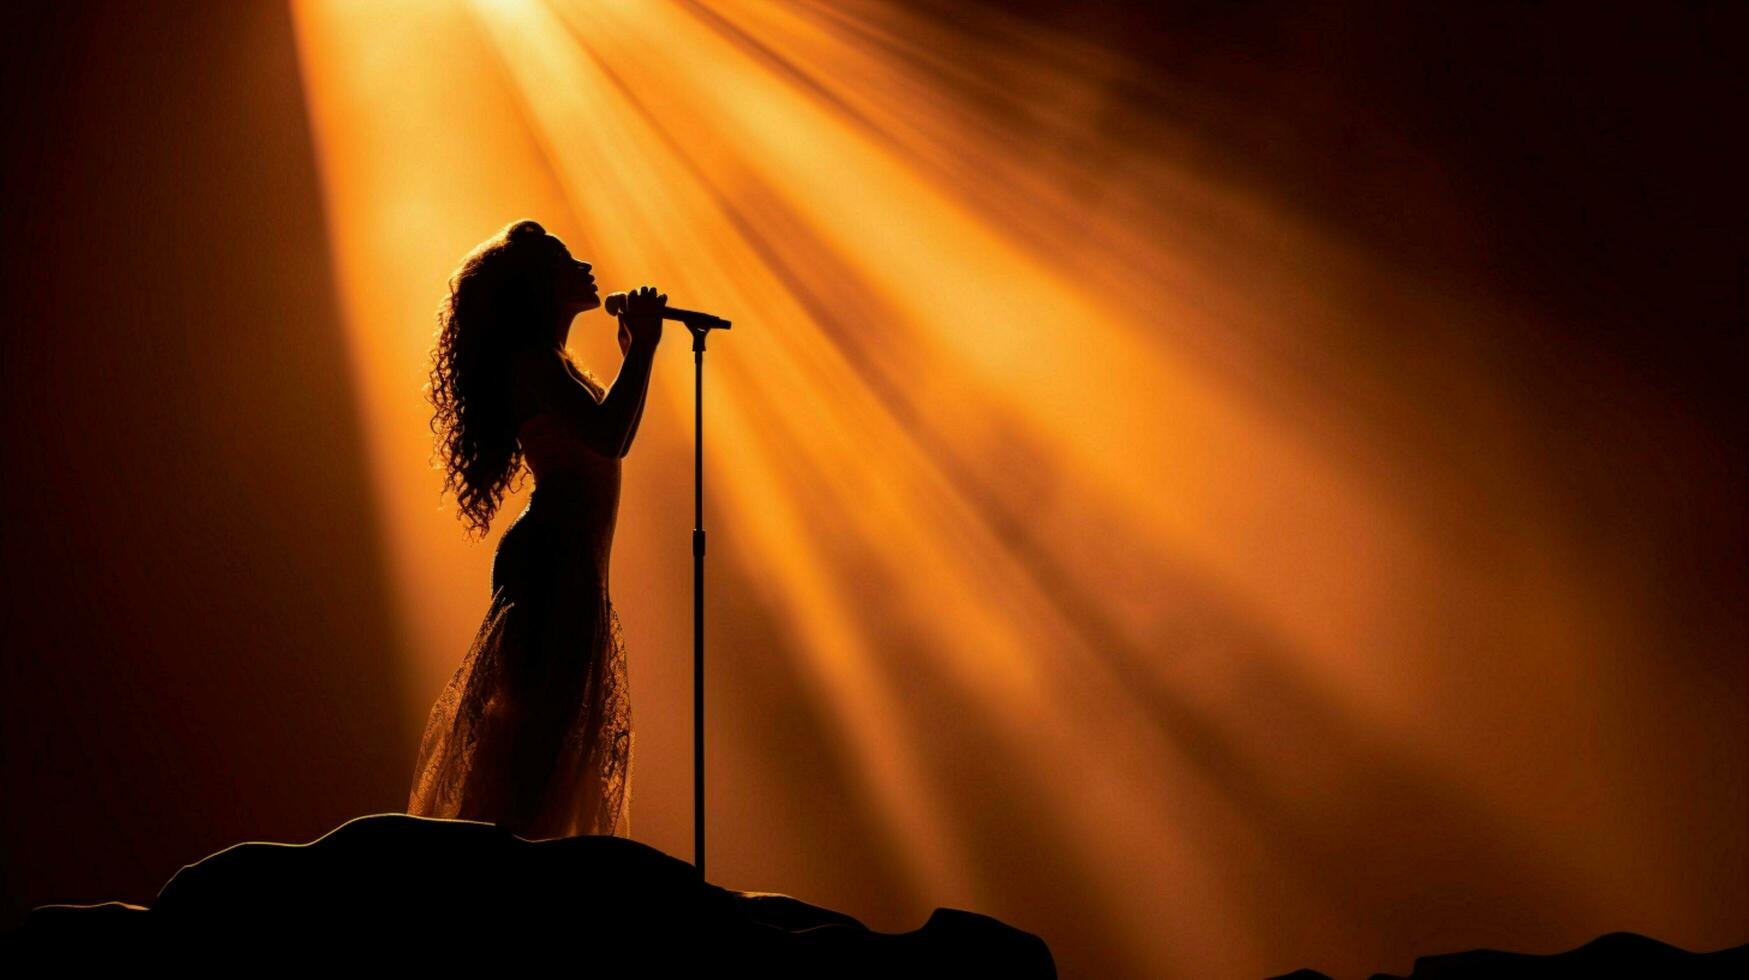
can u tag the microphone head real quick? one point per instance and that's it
(614, 304)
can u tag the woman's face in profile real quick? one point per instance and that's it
(573, 284)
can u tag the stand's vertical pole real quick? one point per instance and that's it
(698, 601)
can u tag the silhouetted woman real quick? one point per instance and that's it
(533, 731)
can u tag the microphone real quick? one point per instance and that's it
(615, 304)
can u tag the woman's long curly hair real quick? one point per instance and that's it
(500, 300)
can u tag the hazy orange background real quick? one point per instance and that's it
(1224, 490)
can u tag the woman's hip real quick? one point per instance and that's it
(537, 556)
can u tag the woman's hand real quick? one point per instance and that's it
(641, 317)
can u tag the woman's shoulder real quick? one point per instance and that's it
(529, 376)
(584, 377)
(536, 360)
(544, 380)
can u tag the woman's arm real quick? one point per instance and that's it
(640, 325)
(625, 346)
(624, 404)
(542, 382)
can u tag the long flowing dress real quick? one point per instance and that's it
(533, 731)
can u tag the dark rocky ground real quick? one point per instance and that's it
(391, 886)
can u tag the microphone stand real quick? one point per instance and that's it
(699, 324)
(698, 333)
